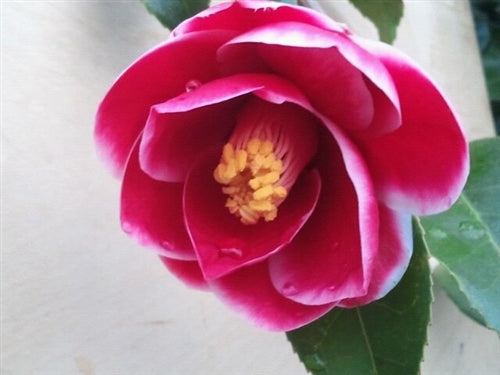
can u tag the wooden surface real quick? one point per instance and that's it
(79, 297)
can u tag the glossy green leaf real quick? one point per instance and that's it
(386, 337)
(447, 280)
(486, 15)
(385, 14)
(465, 239)
(491, 64)
(172, 12)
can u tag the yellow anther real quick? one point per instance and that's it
(263, 192)
(241, 159)
(271, 215)
(250, 177)
(266, 147)
(261, 206)
(279, 192)
(253, 146)
(277, 165)
(228, 152)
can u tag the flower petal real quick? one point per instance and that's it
(172, 141)
(332, 256)
(188, 272)
(243, 15)
(151, 212)
(160, 74)
(250, 293)
(395, 249)
(179, 128)
(421, 167)
(236, 245)
(340, 65)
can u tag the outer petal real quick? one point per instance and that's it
(159, 74)
(422, 167)
(332, 256)
(250, 293)
(340, 65)
(236, 245)
(395, 249)
(188, 272)
(151, 212)
(178, 129)
(243, 15)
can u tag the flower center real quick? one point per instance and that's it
(251, 178)
(269, 147)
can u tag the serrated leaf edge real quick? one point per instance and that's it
(461, 289)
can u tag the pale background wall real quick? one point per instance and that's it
(79, 297)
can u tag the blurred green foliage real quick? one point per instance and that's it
(487, 22)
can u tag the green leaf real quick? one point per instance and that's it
(465, 239)
(447, 280)
(386, 337)
(385, 14)
(172, 12)
(491, 64)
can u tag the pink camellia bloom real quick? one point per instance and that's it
(270, 156)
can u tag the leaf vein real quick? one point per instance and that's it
(477, 215)
(367, 341)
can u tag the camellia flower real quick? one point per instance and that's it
(270, 156)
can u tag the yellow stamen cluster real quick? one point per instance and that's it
(250, 178)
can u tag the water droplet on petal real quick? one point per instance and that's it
(231, 252)
(314, 362)
(166, 245)
(437, 233)
(127, 227)
(192, 84)
(289, 290)
(331, 288)
(471, 230)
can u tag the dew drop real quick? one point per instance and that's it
(437, 233)
(289, 290)
(127, 227)
(471, 230)
(192, 84)
(231, 252)
(166, 245)
(314, 362)
(332, 288)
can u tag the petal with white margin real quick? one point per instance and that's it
(249, 292)
(395, 249)
(421, 167)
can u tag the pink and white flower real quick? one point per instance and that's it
(270, 156)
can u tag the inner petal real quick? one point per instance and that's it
(266, 152)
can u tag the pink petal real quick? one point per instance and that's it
(332, 256)
(336, 86)
(188, 272)
(420, 168)
(221, 241)
(178, 129)
(395, 249)
(250, 293)
(158, 75)
(172, 141)
(151, 212)
(243, 15)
